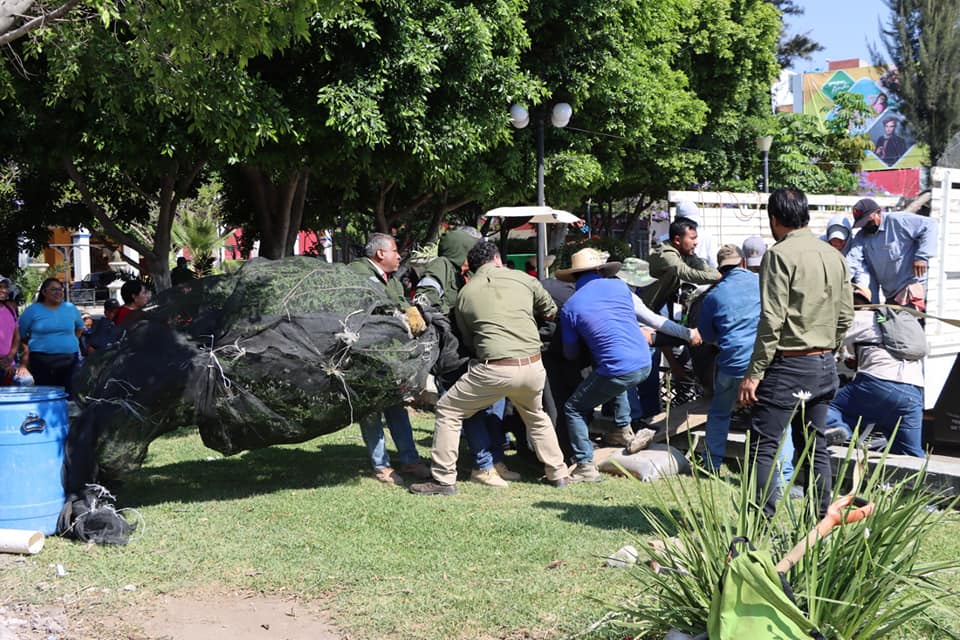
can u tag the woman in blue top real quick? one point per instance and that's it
(49, 332)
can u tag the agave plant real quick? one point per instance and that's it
(863, 581)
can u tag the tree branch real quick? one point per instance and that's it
(101, 216)
(37, 22)
(418, 202)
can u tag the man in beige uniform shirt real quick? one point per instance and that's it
(496, 312)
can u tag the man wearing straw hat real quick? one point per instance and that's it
(601, 314)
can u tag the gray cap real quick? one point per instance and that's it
(753, 249)
(688, 210)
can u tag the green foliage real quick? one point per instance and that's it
(796, 45)
(922, 41)
(864, 581)
(29, 279)
(197, 227)
(817, 157)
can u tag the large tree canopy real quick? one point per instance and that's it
(120, 122)
(391, 111)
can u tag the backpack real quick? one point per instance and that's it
(902, 334)
(754, 601)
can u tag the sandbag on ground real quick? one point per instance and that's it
(658, 461)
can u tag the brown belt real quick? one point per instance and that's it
(514, 362)
(805, 352)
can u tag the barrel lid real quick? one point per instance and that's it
(31, 393)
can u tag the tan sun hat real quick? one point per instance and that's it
(587, 260)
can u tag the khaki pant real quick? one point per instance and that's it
(477, 389)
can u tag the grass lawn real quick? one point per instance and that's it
(308, 520)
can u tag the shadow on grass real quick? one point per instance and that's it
(602, 516)
(262, 471)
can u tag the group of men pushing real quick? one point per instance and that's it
(802, 308)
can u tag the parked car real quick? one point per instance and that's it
(97, 283)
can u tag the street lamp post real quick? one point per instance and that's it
(559, 117)
(763, 145)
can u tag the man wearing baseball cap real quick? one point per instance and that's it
(838, 233)
(753, 249)
(891, 253)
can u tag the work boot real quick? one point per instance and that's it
(505, 473)
(419, 470)
(488, 478)
(618, 437)
(433, 488)
(388, 475)
(585, 472)
(558, 483)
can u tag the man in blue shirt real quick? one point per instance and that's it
(891, 253)
(602, 315)
(728, 318)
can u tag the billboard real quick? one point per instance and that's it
(895, 146)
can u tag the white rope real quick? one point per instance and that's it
(213, 362)
(348, 336)
(122, 402)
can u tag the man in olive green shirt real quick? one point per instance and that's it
(496, 312)
(806, 308)
(675, 261)
(380, 263)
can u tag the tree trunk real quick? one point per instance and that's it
(279, 209)
(174, 185)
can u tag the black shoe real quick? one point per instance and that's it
(836, 436)
(431, 488)
(560, 483)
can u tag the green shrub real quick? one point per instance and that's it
(864, 580)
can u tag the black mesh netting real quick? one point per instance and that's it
(283, 351)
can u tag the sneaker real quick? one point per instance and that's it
(505, 473)
(641, 440)
(432, 488)
(586, 472)
(618, 437)
(419, 470)
(388, 475)
(488, 478)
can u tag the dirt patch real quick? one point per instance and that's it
(237, 616)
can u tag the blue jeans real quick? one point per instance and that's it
(725, 389)
(645, 401)
(484, 433)
(398, 421)
(869, 400)
(593, 391)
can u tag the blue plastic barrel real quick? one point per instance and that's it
(33, 432)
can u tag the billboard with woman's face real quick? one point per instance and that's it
(895, 145)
